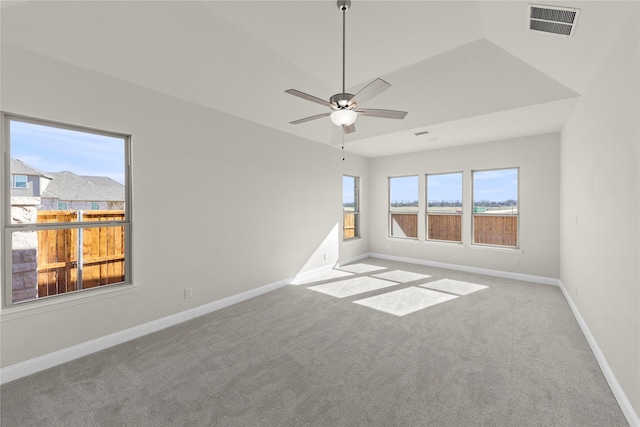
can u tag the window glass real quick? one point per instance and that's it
(403, 207)
(59, 243)
(495, 207)
(444, 193)
(444, 207)
(72, 164)
(19, 181)
(350, 207)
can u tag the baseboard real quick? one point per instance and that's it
(354, 259)
(302, 277)
(37, 364)
(468, 269)
(618, 392)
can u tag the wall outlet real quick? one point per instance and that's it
(325, 256)
(188, 293)
(516, 261)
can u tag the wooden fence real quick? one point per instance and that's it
(101, 257)
(444, 227)
(495, 230)
(350, 226)
(404, 225)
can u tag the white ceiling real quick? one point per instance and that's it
(466, 71)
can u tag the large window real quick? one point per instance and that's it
(403, 207)
(444, 207)
(58, 243)
(350, 207)
(495, 207)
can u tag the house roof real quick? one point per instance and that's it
(69, 186)
(466, 71)
(18, 167)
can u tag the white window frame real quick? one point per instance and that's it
(8, 228)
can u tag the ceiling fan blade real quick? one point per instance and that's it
(349, 129)
(308, 119)
(369, 91)
(385, 114)
(309, 97)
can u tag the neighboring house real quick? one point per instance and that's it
(66, 190)
(27, 181)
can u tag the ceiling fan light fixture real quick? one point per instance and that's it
(344, 117)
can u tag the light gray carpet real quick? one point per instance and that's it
(508, 355)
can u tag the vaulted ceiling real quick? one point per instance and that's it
(466, 71)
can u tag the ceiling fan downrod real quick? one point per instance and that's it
(343, 6)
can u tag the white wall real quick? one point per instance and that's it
(221, 205)
(538, 160)
(600, 195)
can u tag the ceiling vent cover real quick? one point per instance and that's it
(552, 19)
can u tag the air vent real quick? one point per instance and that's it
(553, 20)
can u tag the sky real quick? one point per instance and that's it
(493, 185)
(51, 149)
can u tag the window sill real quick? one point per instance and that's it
(403, 239)
(64, 301)
(351, 239)
(495, 248)
(445, 243)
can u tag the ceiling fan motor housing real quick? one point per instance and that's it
(341, 100)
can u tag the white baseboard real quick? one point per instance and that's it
(37, 364)
(303, 277)
(489, 272)
(354, 259)
(618, 392)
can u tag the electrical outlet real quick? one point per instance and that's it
(188, 293)
(325, 256)
(516, 261)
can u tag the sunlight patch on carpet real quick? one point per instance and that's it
(405, 301)
(361, 268)
(454, 286)
(321, 277)
(355, 286)
(401, 276)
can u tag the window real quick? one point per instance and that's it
(54, 249)
(403, 207)
(350, 207)
(444, 207)
(95, 206)
(495, 207)
(18, 181)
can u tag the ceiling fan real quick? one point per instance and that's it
(345, 107)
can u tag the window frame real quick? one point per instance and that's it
(8, 228)
(475, 214)
(456, 214)
(391, 213)
(14, 182)
(356, 209)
